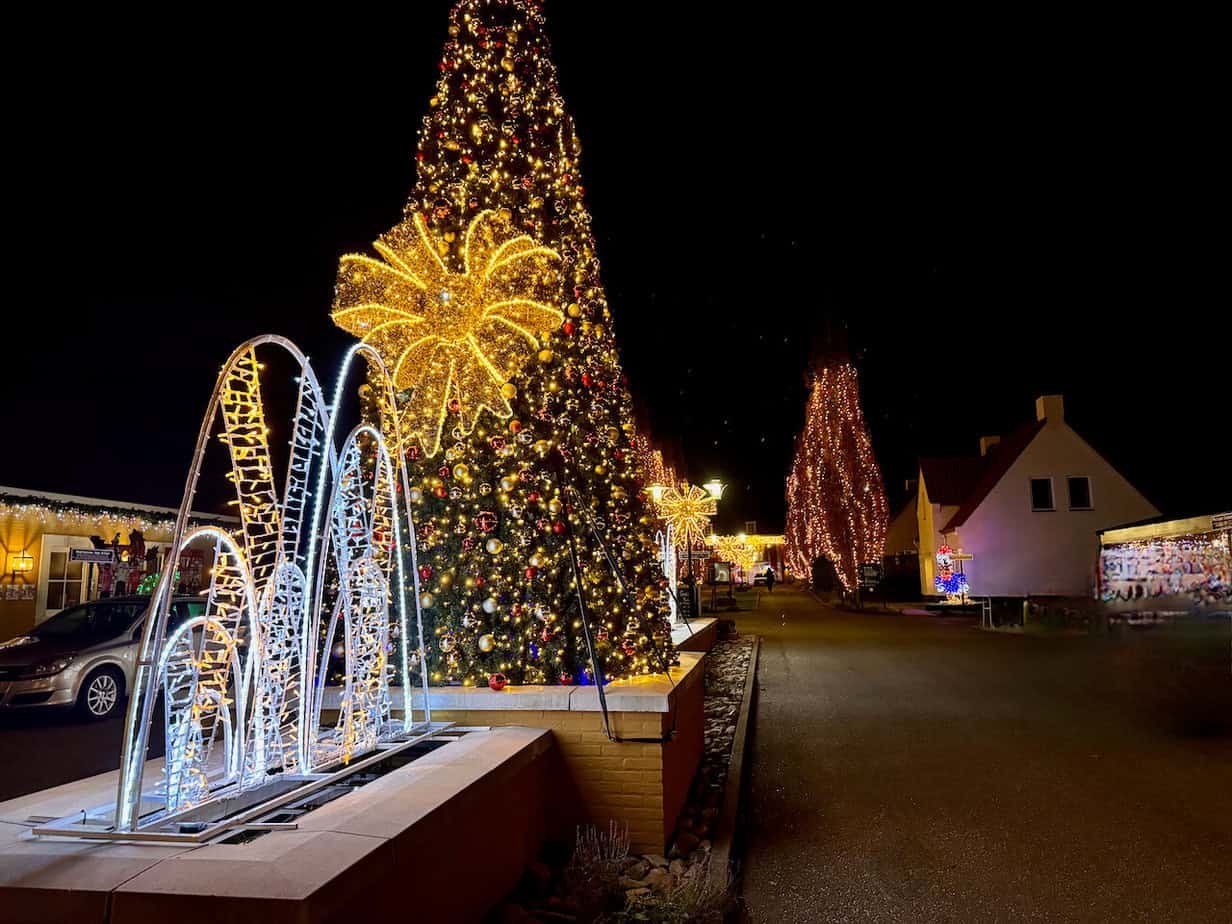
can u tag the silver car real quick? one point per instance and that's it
(84, 656)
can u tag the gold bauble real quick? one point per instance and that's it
(545, 356)
(460, 470)
(509, 390)
(494, 546)
(555, 506)
(426, 601)
(487, 643)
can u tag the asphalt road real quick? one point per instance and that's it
(906, 768)
(40, 748)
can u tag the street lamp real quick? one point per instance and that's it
(656, 492)
(715, 487)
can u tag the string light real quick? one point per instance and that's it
(688, 510)
(511, 452)
(450, 336)
(836, 503)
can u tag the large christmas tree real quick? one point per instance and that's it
(486, 303)
(836, 501)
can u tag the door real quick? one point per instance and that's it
(61, 583)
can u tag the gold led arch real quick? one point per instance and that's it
(450, 335)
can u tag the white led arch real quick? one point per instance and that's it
(255, 650)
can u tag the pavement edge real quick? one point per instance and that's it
(727, 826)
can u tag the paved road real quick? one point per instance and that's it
(913, 769)
(46, 747)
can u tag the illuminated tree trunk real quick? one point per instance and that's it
(487, 303)
(836, 503)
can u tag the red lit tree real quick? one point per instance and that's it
(836, 502)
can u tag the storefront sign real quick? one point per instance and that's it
(96, 556)
(1221, 521)
(870, 575)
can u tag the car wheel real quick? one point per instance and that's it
(100, 694)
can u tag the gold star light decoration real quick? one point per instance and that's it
(688, 510)
(455, 338)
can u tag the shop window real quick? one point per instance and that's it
(1041, 494)
(1079, 492)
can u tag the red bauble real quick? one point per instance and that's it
(479, 582)
(533, 497)
(531, 571)
(443, 471)
(440, 492)
(618, 454)
(515, 426)
(587, 380)
(558, 527)
(570, 328)
(497, 682)
(425, 572)
(566, 678)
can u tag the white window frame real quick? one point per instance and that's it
(57, 543)
(1090, 494)
(1052, 491)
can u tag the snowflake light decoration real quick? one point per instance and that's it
(452, 337)
(688, 510)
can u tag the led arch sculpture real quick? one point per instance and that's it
(244, 683)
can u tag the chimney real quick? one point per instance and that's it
(1050, 407)
(987, 442)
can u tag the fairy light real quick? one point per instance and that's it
(487, 304)
(687, 510)
(836, 503)
(450, 336)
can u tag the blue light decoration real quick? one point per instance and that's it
(534, 651)
(948, 581)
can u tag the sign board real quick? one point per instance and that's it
(699, 554)
(870, 575)
(96, 556)
(686, 602)
(1221, 521)
(722, 572)
(961, 556)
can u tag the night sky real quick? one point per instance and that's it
(979, 221)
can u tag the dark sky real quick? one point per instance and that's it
(990, 212)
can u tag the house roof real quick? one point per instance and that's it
(949, 481)
(994, 466)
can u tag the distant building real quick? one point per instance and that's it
(1026, 510)
(1168, 565)
(43, 536)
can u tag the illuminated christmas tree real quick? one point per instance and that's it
(836, 503)
(485, 302)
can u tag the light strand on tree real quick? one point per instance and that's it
(514, 377)
(836, 503)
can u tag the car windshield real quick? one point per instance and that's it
(92, 622)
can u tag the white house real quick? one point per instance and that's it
(1027, 510)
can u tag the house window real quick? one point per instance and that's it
(1079, 492)
(1041, 494)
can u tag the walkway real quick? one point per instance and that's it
(914, 769)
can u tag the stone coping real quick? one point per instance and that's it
(695, 627)
(652, 693)
(336, 852)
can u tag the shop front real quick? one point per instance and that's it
(1175, 566)
(60, 550)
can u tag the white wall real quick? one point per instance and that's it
(1018, 551)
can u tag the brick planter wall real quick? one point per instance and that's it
(642, 784)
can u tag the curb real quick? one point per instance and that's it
(725, 830)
